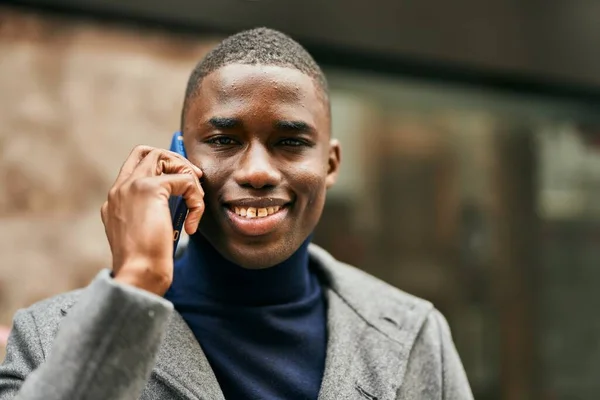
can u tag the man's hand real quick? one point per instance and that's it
(137, 219)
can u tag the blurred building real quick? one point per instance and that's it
(471, 156)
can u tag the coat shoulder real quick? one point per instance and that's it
(376, 301)
(380, 295)
(373, 286)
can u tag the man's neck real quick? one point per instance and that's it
(205, 272)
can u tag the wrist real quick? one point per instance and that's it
(143, 278)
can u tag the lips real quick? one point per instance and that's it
(257, 216)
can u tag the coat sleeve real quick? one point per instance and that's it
(23, 355)
(105, 347)
(434, 369)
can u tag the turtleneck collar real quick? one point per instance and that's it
(203, 271)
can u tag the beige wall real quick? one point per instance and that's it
(75, 97)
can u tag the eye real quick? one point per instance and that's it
(293, 142)
(221, 141)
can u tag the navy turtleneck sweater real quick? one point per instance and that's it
(263, 331)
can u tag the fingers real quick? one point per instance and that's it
(188, 187)
(134, 158)
(158, 162)
(148, 170)
(146, 160)
(169, 156)
(184, 185)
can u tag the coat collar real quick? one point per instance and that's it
(371, 328)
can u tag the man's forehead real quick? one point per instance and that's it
(271, 81)
(268, 92)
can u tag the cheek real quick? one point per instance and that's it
(310, 184)
(213, 177)
(213, 168)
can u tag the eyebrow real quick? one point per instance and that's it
(281, 125)
(294, 126)
(224, 122)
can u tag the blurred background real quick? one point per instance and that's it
(471, 156)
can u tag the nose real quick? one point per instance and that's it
(256, 169)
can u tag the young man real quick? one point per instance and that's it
(252, 310)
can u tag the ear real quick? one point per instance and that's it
(333, 162)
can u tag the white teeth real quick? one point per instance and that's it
(253, 212)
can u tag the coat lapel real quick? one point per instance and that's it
(182, 365)
(339, 380)
(361, 362)
(368, 343)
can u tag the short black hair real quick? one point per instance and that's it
(256, 46)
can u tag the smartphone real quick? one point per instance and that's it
(177, 204)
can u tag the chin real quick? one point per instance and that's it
(253, 256)
(252, 252)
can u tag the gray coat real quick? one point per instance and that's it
(111, 341)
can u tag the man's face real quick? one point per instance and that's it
(261, 136)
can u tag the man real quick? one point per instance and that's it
(252, 310)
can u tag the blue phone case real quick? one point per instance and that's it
(177, 204)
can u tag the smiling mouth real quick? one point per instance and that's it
(255, 212)
(250, 220)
